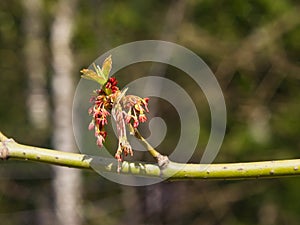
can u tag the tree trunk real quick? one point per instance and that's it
(67, 183)
(38, 99)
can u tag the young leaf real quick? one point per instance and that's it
(101, 74)
(92, 75)
(106, 67)
(98, 71)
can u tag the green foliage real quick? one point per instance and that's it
(100, 75)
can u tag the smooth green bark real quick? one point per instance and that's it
(10, 150)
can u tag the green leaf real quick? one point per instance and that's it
(106, 67)
(100, 75)
(92, 75)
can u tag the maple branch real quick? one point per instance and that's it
(11, 150)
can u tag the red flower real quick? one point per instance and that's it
(126, 109)
(142, 118)
(111, 85)
(136, 107)
(135, 123)
(145, 101)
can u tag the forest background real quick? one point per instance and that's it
(252, 47)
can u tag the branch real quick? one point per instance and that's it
(9, 149)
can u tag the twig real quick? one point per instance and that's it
(171, 171)
(162, 160)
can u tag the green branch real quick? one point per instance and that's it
(9, 150)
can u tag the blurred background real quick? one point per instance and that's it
(253, 48)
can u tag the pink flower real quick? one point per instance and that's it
(135, 123)
(136, 107)
(145, 101)
(90, 111)
(91, 125)
(101, 121)
(100, 140)
(126, 109)
(104, 112)
(142, 118)
(127, 118)
(92, 99)
(118, 157)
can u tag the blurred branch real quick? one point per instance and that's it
(9, 149)
(203, 41)
(242, 54)
(261, 37)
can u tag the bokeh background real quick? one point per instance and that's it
(253, 48)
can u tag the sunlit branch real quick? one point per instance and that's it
(11, 150)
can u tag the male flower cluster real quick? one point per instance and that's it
(135, 109)
(110, 100)
(101, 107)
(128, 109)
